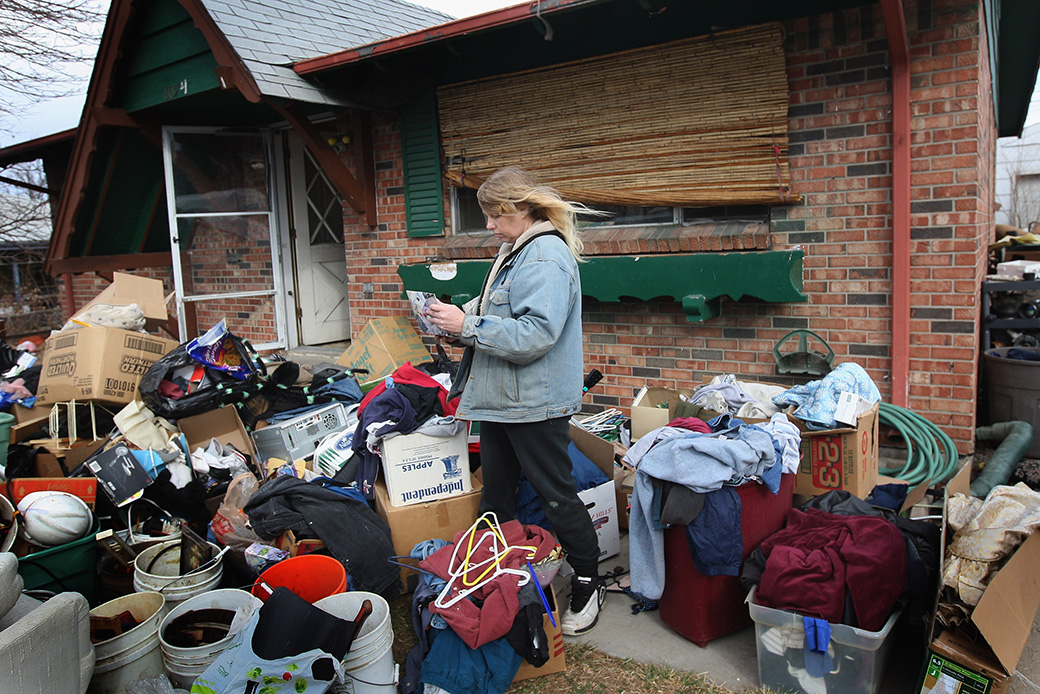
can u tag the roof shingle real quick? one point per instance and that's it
(270, 35)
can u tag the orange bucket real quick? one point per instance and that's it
(311, 576)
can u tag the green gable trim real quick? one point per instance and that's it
(698, 281)
(124, 206)
(167, 59)
(420, 146)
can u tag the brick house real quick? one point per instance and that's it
(809, 165)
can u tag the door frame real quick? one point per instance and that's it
(274, 215)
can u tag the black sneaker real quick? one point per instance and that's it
(587, 596)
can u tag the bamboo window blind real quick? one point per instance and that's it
(700, 121)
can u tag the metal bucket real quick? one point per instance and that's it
(158, 569)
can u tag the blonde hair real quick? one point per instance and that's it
(514, 191)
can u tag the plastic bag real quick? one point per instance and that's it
(153, 685)
(217, 349)
(230, 523)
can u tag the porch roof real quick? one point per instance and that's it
(473, 47)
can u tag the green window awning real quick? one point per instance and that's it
(697, 280)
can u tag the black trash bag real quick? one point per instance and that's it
(280, 392)
(220, 387)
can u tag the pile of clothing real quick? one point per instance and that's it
(477, 610)
(686, 473)
(839, 560)
(409, 400)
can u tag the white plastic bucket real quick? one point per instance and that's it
(134, 654)
(369, 666)
(183, 664)
(163, 574)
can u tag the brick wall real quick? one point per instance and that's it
(840, 156)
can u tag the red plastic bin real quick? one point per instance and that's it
(703, 608)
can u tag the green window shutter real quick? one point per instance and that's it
(422, 167)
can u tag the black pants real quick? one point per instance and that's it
(539, 449)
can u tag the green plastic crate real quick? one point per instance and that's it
(74, 564)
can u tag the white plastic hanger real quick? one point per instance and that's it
(460, 569)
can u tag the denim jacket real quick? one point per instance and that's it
(527, 361)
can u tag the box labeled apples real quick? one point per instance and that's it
(420, 468)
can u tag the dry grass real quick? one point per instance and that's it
(589, 671)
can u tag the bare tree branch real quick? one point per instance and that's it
(44, 46)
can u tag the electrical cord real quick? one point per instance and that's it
(931, 454)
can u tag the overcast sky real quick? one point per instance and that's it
(55, 115)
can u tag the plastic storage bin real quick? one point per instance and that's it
(70, 566)
(702, 608)
(857, 658)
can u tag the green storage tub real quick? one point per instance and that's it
(74, 564)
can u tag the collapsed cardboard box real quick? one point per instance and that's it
(383, 345)
(601, 500)
(128, 289)
(59, 458)
(103, 364)
(432, 520)
(844, 458)
(1004, 619)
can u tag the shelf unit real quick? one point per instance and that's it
(990, 322)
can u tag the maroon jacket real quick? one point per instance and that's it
(819, 557)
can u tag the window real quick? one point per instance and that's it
(467, 218)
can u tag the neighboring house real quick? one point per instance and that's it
(29, 298)
(772, 166)
(1018, 180)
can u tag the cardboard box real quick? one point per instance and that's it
(431, 520)
(954, 664)
(61, 459)
(624, 485)
(381, 347)
(654, 407)
(1004, 619)
(601, 501)
(104, 364)
(129, 289)
(420, 468)
(83, 487)
(839, 458)
(554, 635)
(222, 424)
(295, 547)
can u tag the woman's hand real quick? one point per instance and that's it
(447, 317)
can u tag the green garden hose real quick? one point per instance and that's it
(931, 455)
(1016, 438)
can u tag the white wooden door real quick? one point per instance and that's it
(320, 267)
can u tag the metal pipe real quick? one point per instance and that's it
(895, 28)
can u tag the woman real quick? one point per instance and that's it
(527, 370)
